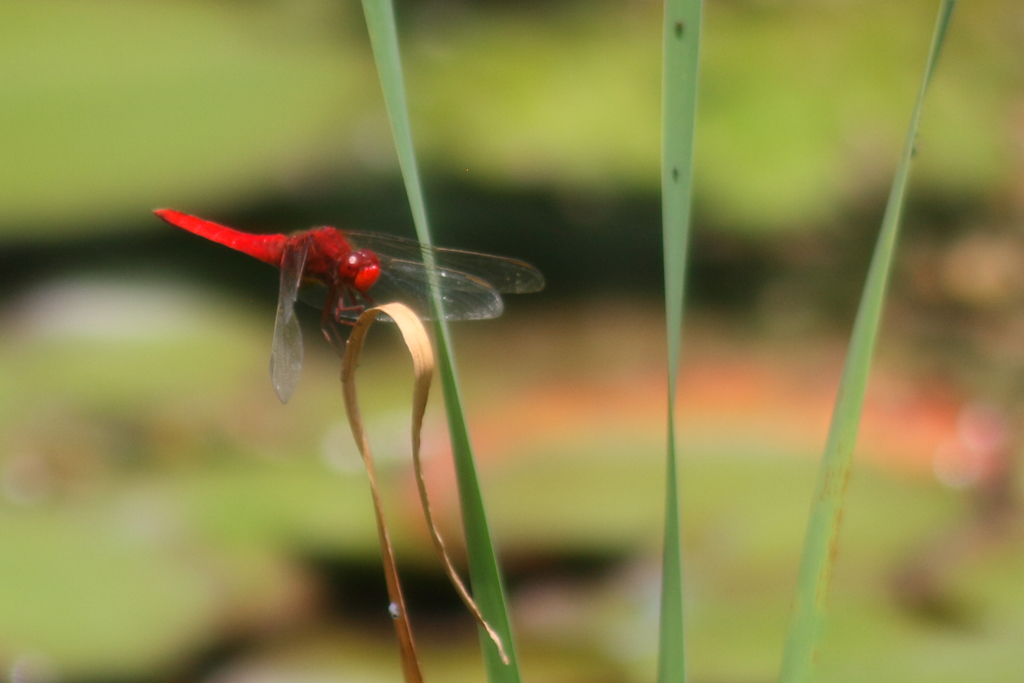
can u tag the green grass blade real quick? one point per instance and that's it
(483, 566)
(823, 528)
(679, 111)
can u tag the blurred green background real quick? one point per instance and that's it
(163, 518)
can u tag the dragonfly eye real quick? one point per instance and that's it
(362, 268)
(368, 275)
(350, 265)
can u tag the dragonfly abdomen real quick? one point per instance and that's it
(267, 248)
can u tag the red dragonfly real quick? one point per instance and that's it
(358, 268)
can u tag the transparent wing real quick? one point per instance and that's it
(506, 275)
(314, 294)
(465, 297)
(286, 355)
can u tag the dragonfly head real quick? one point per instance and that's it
(361, 268)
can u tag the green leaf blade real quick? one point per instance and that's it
(808, 620)
(681, 51)
(485, 578)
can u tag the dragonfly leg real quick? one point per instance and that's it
(328, 325)
(332, 323)
(336, 335)
(347, 303)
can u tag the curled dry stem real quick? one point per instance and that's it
(418, 343)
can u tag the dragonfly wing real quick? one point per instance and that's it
(314, 294)
(506, 275)
(286, 355)
(464, 296)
